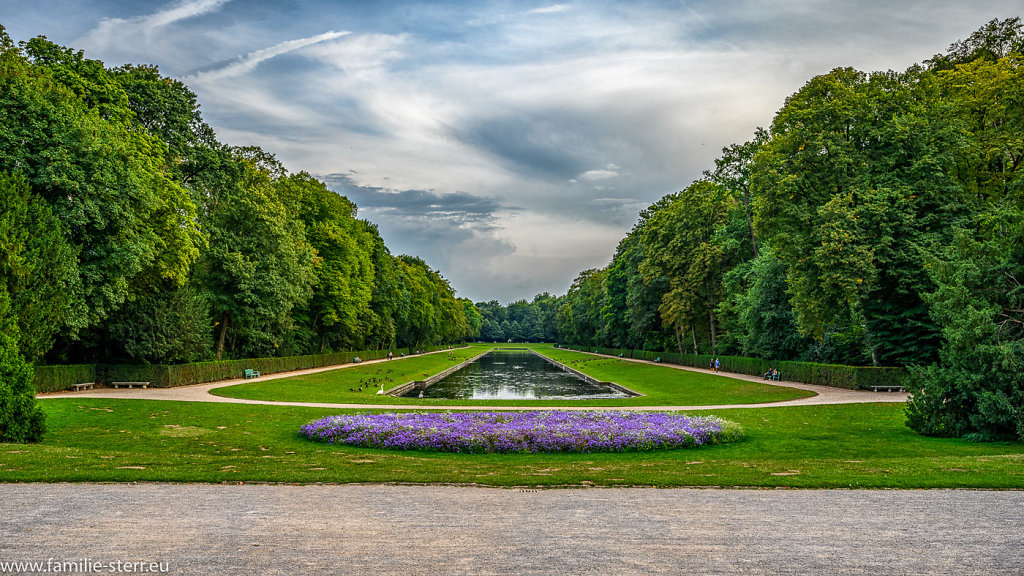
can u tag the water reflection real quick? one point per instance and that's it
(515, 375)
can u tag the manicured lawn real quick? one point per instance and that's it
(661, 385)
(861, 445)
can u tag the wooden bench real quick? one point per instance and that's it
(129, 384)
(250, 373)
(888, 388)
(83, 386)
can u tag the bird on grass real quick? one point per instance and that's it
(381, 391)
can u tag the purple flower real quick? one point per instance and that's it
(525, 432)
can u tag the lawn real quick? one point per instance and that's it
(661, 385)
(858, 445)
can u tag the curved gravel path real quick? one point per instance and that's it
(201, 393)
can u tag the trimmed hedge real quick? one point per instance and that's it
(54, 378)
(62, 377)
(834, 375)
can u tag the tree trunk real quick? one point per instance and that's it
(753, 238)
(693, 332)
(714, 336)
(223, 332)
(679, 339)
(750, 220)
(711, 319)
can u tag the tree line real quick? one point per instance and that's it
(129, 233)
(879, 220)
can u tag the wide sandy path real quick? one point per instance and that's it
(383, 530)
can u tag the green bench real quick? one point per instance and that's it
(250, 373)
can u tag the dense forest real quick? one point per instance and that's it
(879, 220)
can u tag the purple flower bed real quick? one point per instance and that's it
(524, 432)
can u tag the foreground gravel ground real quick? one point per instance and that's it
(372, 529)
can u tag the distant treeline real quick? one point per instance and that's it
(879, 220)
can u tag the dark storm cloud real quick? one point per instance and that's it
(535, 143)
(459, 208)
(451, 232)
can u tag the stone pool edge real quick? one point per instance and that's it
(589, 379)
(397, 391)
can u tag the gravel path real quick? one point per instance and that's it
(380, 530)
(201, 393)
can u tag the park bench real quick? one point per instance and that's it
(776, 376)
(129, 384)
(658, 359)
(250, 373)
(888, 388)
(83, 386)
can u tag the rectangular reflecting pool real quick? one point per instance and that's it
(515, 375)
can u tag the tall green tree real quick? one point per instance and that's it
(343, 287)
(259, 265)
(38, 269)
(976, 389)
(681, 247)
(580, 318)
(68, 129)
(854, 191)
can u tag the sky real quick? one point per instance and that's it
(511, 145)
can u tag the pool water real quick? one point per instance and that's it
(515, 375)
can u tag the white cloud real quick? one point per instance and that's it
(124, 31)
(250, 61)
(609, 171)
(553, 9)
(363, 56)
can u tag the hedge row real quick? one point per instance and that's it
(54, 378)
(834, 375)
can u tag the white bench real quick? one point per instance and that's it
(83, 386)
(129, 384)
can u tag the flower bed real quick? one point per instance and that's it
(524, 432)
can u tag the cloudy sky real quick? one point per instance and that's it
(509, 144)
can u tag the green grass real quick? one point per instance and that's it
(661, 385)
(859, 445)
